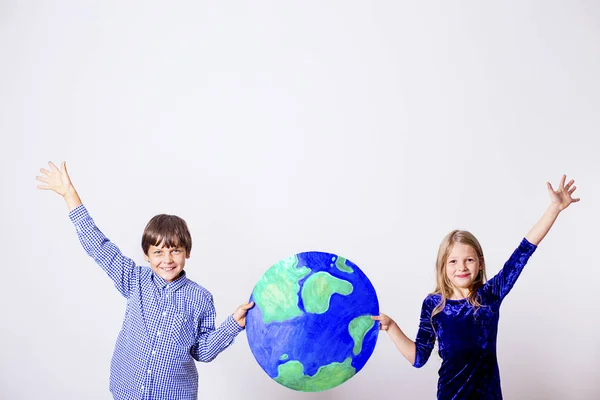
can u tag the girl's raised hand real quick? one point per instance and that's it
(562, 197)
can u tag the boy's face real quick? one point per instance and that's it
(167, 262)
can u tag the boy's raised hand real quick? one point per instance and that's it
(57, 180)
(239, 314)
(562, 197)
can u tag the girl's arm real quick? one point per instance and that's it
(406, 346)
(501, 284)
(417, 353)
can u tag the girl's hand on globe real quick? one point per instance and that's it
(384, 321)
(239, 314)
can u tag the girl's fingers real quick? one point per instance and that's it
(568, 185)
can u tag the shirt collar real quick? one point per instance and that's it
(170, 286)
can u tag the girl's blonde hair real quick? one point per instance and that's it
(443, 285)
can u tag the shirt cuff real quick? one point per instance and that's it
(78, 214)
(232, 327)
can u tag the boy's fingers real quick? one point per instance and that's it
(45, 171)
(42, 179)
(43, 187)
(52, 166)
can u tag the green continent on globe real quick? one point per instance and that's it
(358, 328)
(277, 292)
(291, 374)
(318, 289)
(341, 265)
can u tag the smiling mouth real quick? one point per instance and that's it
(462, 276)
(167, 269)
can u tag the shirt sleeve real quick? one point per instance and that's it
(501, 284)
(120, 269)
(426, 334)
(212, 341)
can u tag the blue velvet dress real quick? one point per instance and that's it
(467, 337)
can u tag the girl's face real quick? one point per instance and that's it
(462, 268)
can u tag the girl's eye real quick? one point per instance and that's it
(452, 261)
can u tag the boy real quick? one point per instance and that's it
(169, 321)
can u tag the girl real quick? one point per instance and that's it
(462, 312)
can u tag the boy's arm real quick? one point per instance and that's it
(213, 341)
(119, 268)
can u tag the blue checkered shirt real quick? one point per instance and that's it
(167, 325)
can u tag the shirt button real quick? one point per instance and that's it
(149, 372)
(142, 387)
(153, 352)
(167, 296)
(158, 333)
(164, 313)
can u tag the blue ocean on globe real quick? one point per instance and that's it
(311, 327)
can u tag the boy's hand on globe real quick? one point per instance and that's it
(384, 321)
(239, 314)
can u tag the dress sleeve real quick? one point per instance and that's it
(501, 284)
(426, 334)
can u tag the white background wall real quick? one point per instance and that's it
(367, 130)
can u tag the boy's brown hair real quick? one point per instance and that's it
(167, 230)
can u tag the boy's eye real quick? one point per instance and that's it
(157, 252)
(176, 251)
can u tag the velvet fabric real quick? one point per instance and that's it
(466, 335)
